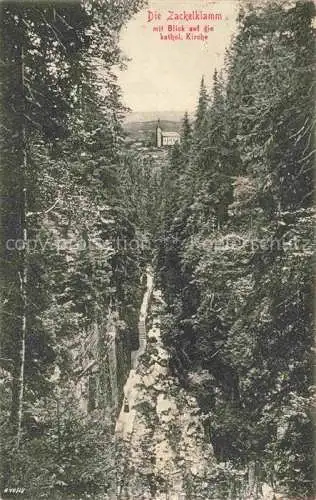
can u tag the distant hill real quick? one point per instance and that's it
(152, 116)
(146, 130)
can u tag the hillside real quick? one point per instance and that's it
(145, 130)
(149, 116)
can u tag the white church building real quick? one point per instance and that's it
(165, 138)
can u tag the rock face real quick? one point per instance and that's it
(163, 444)
(103, 361)
(96, 357)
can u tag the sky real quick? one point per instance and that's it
(165, 75)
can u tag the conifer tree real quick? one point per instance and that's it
(202, 106)
(237, 337)
(60, 150)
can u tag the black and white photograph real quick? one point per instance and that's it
(156, 269)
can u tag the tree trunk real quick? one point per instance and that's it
(23, 251)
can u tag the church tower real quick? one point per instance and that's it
(158, 135)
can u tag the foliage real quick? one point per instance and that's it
(62, 145)
(237, 271)
(64, 453)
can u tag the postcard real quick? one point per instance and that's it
(156, 249)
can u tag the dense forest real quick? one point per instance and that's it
(64, 274)
(225, 221)
(236, 248)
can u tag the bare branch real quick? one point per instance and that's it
(45, 211)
